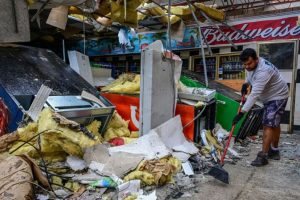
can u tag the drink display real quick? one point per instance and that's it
(210, 66)
(231, 68)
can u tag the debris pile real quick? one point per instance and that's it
(77, 161)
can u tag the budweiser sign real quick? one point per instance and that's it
(285, 28)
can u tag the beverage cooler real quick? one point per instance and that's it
(211, 66)
(224, 68)
(230, 67)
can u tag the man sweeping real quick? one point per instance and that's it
(269, 87)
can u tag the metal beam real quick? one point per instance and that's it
(202, 47)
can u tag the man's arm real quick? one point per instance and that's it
(258, 87)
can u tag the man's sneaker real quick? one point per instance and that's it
(261, 160)
(273, 154)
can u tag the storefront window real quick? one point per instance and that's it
(280, 54)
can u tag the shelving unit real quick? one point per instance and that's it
(211, 63)
(230, 67)
(224, 68)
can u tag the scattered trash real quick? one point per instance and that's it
(42, 197)
(105, 182)
(151, 196)
(220, 133)
(128, 189)
(158, 171)
(198, 164)
(173, 129)
(86, 178)
(76, 163)
(187, 168)
(149, 145)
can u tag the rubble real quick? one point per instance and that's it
(81, 162)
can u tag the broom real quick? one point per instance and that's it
(217, 171)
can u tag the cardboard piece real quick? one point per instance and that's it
(102, 76)
(58, 17)
(37, 172)
(80, 63)
(15, 176)
(90, 97)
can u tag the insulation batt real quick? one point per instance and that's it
(58, 140)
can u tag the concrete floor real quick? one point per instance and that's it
(278, 180)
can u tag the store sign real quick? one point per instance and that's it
(266, 30)
(278, 29)
(128, 108)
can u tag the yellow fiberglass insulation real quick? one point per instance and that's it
(211, 12)
(57, 140)
(111, 133)
(126, 83)
(155, 172)
(117, 127)
(117, 121)
(60, 137)
(125, 14)
(25, 134)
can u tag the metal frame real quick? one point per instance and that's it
(294, 73)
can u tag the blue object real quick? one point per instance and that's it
(15, 110)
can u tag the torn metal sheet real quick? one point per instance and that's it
(39, 102)
(160, 73)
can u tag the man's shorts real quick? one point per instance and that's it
(273, 110)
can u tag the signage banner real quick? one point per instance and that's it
(128, 108)
(277, 29)
(263, 30)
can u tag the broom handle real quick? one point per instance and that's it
(231, 132)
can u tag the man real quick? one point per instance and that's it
(269, 87)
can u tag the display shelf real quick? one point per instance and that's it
(230, 67)
(210, 66)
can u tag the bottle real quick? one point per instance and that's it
(105, 182)
(220, 73)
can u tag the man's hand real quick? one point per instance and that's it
(244, 90)
(237, 118)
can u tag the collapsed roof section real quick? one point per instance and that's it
(24, 69)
